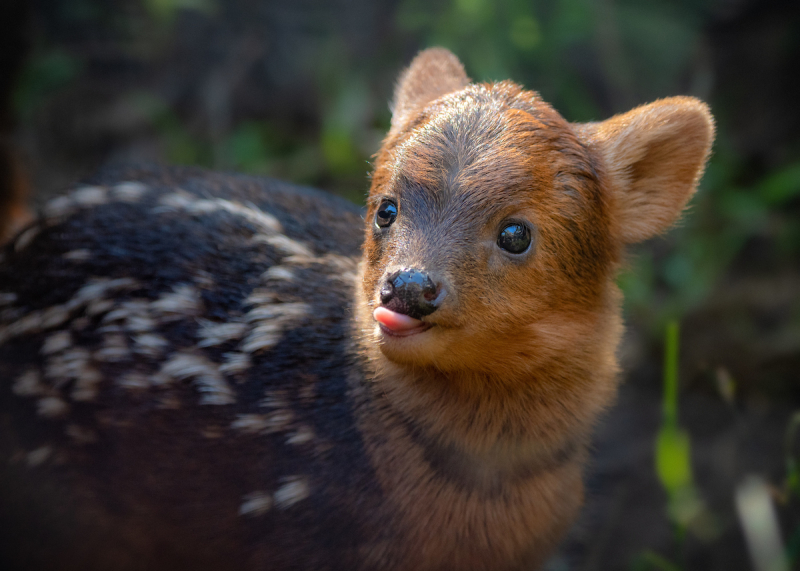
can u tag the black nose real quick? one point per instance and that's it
(409, 291)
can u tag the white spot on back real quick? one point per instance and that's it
(275, 399)
(90, 196)
(278, 420)
(301, 260)
(169, 402)
(342, 263)
(140, 323)
(80, 255)
(261, 297)
(285, 245)
(115, 349)
(86, 386)
(67, 365)
(255, 504)
(38, 456)
(249, 423)
(98, 306)
(51, 407)
(59, 207)
(134, 313)
(345, 269)
(183, 301)
(212, 333)
(205, 375)
(28, 384)
(150, 344)
(269, 324)
(341, 268)
(56, 343)
(235, 362)
(211, 432)
(54, 316)
(278, 273)
(279, 312)
(263, 337)
(80, 435)
(263, 423)
(295, 489)
(178, 200)
(24, 239)
(133, 381)
(300, 436)
(181, 200)
(99, 287)
(129, 191)
(203, 279)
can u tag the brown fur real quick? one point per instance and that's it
(184, 385)
(521, 358)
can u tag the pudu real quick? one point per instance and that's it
(203, 369)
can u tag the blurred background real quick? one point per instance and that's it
(299, 91)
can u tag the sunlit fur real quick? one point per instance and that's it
(520, 360)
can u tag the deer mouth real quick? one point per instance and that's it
(398, 324)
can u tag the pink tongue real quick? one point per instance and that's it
(395, 321)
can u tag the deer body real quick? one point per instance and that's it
(212, 370)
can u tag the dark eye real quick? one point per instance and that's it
(387, 213)
(514, 238)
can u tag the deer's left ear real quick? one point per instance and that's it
(655, 156)
(433, 73)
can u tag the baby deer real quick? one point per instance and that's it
(212, 371)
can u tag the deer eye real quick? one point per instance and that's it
(514, 238)
(386, 214)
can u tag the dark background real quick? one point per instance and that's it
(299, 90)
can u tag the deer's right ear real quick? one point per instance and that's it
(433, 73)
(654, 156)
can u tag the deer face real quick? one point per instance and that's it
(485, 217)
(494, 227)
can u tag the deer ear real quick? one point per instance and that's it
(433, 73)
(655, 156)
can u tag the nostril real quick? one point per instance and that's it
(430, 292)
(429, 289)
(387, 292)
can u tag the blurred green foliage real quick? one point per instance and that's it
(588, 58)
(46, 73)
(166, 10)
(673, 463)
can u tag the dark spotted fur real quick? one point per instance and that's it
(159, 486)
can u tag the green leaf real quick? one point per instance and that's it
(46, 73)
(670, 403)
(525, 33)
(165, 10)
(781, 186)
(673, 459)
(339, 150)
